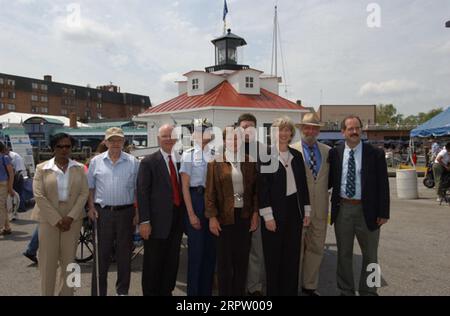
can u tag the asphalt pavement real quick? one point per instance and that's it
(414, 254)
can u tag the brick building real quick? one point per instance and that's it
(28, 95)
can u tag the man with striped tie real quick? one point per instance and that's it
(359, 206)
(315, 155)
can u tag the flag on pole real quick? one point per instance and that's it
(225, 12)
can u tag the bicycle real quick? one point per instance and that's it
(85, 247)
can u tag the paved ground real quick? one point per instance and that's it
(414, 254)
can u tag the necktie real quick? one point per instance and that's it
(350, 188)
(312, 161)
(173, 179)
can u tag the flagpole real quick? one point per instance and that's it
(225, 12)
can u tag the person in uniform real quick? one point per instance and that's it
(201, 245)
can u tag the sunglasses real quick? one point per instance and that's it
(63, 146)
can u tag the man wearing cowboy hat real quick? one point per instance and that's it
(315, 155)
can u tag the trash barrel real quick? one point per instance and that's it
(407, 187)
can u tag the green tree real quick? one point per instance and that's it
(387, 114)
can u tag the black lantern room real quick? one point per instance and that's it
(226, 52)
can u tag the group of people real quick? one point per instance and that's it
(254, 215)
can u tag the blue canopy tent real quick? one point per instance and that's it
(437, 126)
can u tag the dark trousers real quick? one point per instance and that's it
(115, 230)
(161, 257)
(350, 222)
(282, 251)
(233, 248)
(201, 251)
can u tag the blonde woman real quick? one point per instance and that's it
(285, 208)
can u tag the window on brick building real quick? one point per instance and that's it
(44, 98)
(34, 98)
(44, 87)
(64, 112)
(2, 106)
(11, 95)
(34, 86)
(34, 109)
(2, 94)
(11, 107)
(44, 109)
(11, 82)
(2, 81)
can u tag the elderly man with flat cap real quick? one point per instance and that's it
(315, 155)
(112, 180)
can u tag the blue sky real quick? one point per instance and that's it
(143, 46)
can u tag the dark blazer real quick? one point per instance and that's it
(272, 187)
(154, 194)
(374, 181)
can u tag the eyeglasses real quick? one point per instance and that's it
(63, 146)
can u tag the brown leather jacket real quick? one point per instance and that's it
(219, 196)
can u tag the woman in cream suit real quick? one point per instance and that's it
(61, 190)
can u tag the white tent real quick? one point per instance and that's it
(16, 118)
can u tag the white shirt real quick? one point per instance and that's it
(238, 180)
(286, 159)
(358, 162)
(166, 159)
(445, 156)
(62, 178)
(17, 162)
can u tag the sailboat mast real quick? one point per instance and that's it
(276, 40)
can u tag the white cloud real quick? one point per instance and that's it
(390, 87)
(89, 31)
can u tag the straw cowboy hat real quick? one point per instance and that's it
(310, 119)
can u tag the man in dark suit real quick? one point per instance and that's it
(160, 205)
(359, 206)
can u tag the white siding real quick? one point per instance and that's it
(237, 80)
(200, 76)
(211, 81)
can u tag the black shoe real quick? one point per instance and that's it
(31, 257)
(307, 292)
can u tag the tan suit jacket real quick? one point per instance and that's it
(57, 248)
(45, 190)
(318, 188)
(314, 236)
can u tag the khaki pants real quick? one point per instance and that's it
(56, 250)
(438, 171)
(3, 211)
(312, 252)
